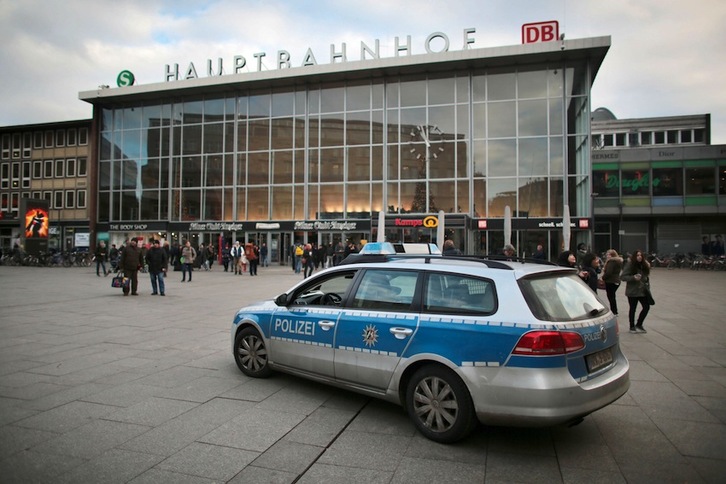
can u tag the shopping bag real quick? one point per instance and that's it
(120, 281)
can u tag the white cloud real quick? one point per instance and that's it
(664, 59)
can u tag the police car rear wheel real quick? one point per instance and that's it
(251, 353)
(439, 404)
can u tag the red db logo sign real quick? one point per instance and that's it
(540, 32)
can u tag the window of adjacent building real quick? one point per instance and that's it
(36, 195)
(70, 167)
(659, 137)
(699, 135)
(48, 169)
(60, 137)
(49, 139)
(27, 144)
(5, 202)
(26, 173)
(15, 175)
(646, 137)
(58, 199)
(70, 198)
(672, 137)
(37, 169)
(83, 136)
(607, 140)
(686, 136)
(635, 182)
(81, 199)
(5, 175)
(38, 139)
(48, 196)
(16, 145)
(72, 133)
(59, 168)
(14, 201)
(667, 182)
(82, 167)
(6, 147)
(620, 139)
(700, 181)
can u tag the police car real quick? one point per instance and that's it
(455, 340)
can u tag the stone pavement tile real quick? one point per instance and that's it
(288, 456)
(123, 395)
(699, 388)
(14, 439)
(262, 475)
(530, 441)
(52, 355)
(711, 470)
(715, 406)
(381, 452)
(648, 471)
(642, 371)
(695, 439)
(14, 366)
(383, 417)
(91, 440)
(199, 390)
(582, 456)
(506, 467)
(658, 394)
(21, 379)
(428, 470)
(320, 427)
(699, 361)
(467, 451)
(114, 466)
(32, 391)
(172, 436)
(66, 396)
(174, 377)
(10, 414)
(158, 476)
(335, 474)
(219, 360)
(578, 476)
(66, 417)
(345, 400)
(151, 412)
(255, 429)
(29, 466)
(689, 410)
(256, 390)
(209, 461)
(298, 397)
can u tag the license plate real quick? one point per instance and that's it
(599, 360)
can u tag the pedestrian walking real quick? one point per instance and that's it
(101, 255)
(611, 275)
(226, 256)
(307, 261)
(157, 262)
(188, 255)
(131, 261)
(636, 275)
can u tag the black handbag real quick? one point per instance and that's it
(649, 295)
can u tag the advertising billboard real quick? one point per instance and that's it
(34, 225)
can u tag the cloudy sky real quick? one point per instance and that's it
(666, 56)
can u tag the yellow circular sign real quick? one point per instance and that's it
(431, 222)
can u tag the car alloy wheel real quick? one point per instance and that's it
(439, 404)
(251, 353)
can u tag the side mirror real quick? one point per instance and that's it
(281, 300)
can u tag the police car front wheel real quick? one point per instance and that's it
(251, 353)
(439, 404)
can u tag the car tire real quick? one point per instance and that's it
(439, 404)
(250, 353)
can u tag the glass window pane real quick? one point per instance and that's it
(502, 155)
(332, 162)
(533, 157)
(413, 93)
(377, 163)
(331, 130)
(358, 98)
(213, 138)
(533, 118)
(531, 84)
(442, 91)
(192, 113)
(331, 100)
(191, 204)
(215, 169)
(283, 103)
(282, 133)
(331, 201)
(359, 199)
(282, 203)
(480, 198)
(150, 173)
(358, 128)
(150, 205)
(281, 169)
(606, 183)
(213, 110)
(500, 86)
(212, 204)
(191, 171)
(359, 164)
(259, 168)
(700, 181)
(502, 119)
(533, 197)
(480, 120)
(192, 140)
(259, 106)
(502, 193)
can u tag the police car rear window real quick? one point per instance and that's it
(560, 297)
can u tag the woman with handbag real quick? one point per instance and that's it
(637, 288)
(611, 277)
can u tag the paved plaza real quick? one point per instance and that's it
(100, 388)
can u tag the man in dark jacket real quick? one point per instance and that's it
(157, 261)
(130, 263)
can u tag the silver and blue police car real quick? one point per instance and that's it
(455, 340)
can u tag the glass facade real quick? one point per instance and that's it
(469, 142)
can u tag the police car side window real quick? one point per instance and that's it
(386, 290)
(453, 293)
(329, 291)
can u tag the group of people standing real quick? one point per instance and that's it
(634, 271)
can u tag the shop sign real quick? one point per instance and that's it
(435, 43)
(267, 226)
(429, 222)
(582, 223)
(214, 226)
(125, 79)
(326, 225)
(540, 32)
(127, 227)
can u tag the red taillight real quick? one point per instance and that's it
(547, 343)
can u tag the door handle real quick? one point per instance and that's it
(325, 324)
(401, 333)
